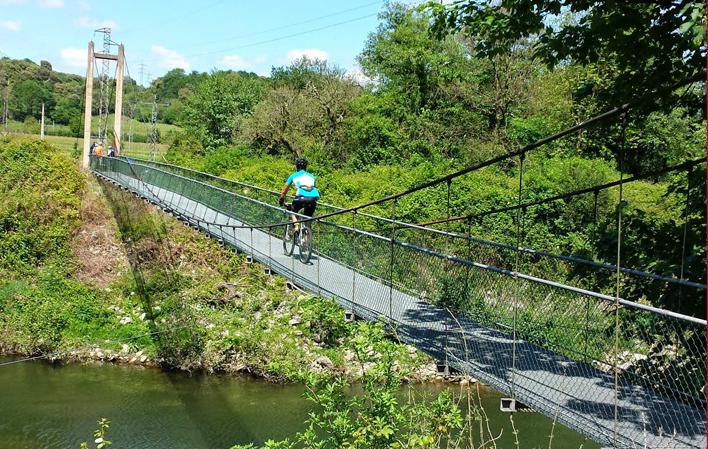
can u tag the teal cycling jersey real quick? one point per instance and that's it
(305, 183)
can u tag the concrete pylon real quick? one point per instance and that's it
(88, 102)
(118, 120)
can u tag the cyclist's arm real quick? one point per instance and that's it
(283, 192)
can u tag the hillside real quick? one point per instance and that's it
(89, 272)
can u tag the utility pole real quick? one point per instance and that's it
(142, 72)
(6, 112)
(41, 125)
(152, 136)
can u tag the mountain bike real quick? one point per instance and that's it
(299, 234)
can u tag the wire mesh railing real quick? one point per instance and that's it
(624, 373)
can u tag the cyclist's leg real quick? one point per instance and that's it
(297, 205)
(309, 207)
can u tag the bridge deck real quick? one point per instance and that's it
(574, 393)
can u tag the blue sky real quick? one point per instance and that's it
(164, 34)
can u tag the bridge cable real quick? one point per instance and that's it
(191, 220)
(670, 279)
(603, 265)
(684, 166)
(475, 167)
(468, 237)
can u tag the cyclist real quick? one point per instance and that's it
(306, 195)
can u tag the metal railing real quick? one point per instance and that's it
(622, 372)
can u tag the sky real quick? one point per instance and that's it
(205, 35)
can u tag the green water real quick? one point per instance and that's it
(46, 406)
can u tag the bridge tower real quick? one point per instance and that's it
(119, 57)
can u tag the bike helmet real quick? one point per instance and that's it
(301, 163)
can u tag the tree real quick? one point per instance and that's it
(643, 47)
(403, 59)
(219, 104)
(282, 120)
(27, 97)
(306, 108)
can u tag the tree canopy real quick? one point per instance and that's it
(639, 47)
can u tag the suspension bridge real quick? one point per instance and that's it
(621, 372)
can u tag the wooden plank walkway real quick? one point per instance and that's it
(576, 394)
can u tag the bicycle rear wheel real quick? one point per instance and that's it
(305, 243)
(289, 240)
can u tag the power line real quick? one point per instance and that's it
(282, 27)
(187, 15)
(300, 33)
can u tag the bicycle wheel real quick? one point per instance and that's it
(305, 243)
(289, 240)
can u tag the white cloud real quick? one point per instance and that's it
(237, 62)
(51, 3)
(10, 25)
(88, 22)
(74, 57)
(309, 53)
(170, 59)
(358, 76)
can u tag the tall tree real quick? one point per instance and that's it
(219, 103)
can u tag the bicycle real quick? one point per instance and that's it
(299, 234)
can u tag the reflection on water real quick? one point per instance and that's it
(43, 406)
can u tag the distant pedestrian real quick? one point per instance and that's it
(99, 149)
(111, 152)
(92, 149)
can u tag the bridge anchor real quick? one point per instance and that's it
(511, 405)
(444, 369)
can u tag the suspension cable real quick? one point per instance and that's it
(687, 166)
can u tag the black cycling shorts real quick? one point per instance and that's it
(307, 204)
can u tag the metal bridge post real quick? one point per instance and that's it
(319, 258)
(596, 194)
(269, 269)
(517, 268)
(618, 281)
(354, 262)
(250, 258)
(390, 276)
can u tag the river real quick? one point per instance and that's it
(50, 406)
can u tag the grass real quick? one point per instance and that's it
(74, 145)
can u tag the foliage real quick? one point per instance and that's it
(100, 435)
(377, 417)
(39, 207)
(306, 107)
(219, 102)
(637, 43)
